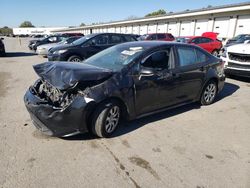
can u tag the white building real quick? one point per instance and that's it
(228, 21)
(35, 30)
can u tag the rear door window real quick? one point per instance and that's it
(100, 40)
(128, 38)
(161, 36)
(152, 37)
(115, 39)
(187, 56)
(190, 56)
(201, 57)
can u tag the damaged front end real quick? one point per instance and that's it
(56, 112)
(62, 108)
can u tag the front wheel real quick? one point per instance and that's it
(106, 119)
(209, 93)
(75, 58)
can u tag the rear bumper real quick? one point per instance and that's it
(56, 122)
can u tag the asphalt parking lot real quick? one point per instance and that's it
(191, 146)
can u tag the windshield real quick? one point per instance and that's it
(83, 39)
(116, 57)
(243, 39)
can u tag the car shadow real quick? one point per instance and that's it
(127, 127)
(19, 54)
(227, 90)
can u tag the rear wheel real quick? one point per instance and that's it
(75, 58)
(106, 119)
(209, 93)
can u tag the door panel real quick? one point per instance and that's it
(191, 73)
(156, 90)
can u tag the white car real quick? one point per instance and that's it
(237, 59)
(43, 50)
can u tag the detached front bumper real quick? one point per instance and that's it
(54, 121)
(236, 68)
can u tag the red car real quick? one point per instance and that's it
(208, 41)
(160, 36)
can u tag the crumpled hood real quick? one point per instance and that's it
(239, 48)
(63, 75)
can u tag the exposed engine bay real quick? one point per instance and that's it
(54, 96)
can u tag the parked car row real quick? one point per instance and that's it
(44, 49)
(87, 46)
(123, 82)
(33, 44)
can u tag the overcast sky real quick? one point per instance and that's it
(72, 13)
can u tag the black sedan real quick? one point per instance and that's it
(126, 81)
(87, 46)
(2, 48)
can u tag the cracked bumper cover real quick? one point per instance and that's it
(57, 122)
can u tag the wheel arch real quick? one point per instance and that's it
(93, 106)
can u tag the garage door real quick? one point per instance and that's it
(221, 26)
(152, 28)
(172, 28)
(123, 29)
(129, 29)
(105, 30)
(143, 29)
(162, 28)
(243, 25)
(136, 29)
(111, 30)
(201, 27)
(118, 29)
(185, 28)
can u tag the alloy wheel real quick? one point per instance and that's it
(210, 93)
(112, 119)
(76, 60)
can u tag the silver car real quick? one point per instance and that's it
(44, 49)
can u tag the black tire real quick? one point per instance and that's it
(105, 119)
(209, 93)
(75, 58)
(215, 53)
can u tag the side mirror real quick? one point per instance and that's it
(247, 41)
(146, 72)
(2, 38)
(93, 43)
